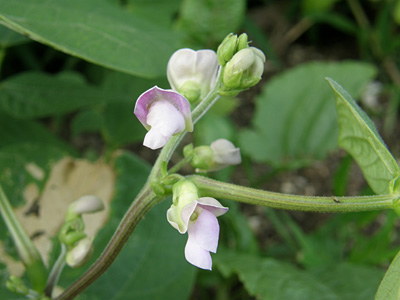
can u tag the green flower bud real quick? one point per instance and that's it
(243, 71)
(17, 285)
(184, 192)
(191, 90)
(202, 158)
(242, 42)
(227, 49)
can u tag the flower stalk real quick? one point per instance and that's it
(228, 191)
(30, 257)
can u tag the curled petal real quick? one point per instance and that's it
(196, 255)
(206, 231)
(225, 153)
(155, 94)
(212, 205)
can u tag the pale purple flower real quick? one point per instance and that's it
(192, 72)
(199, 220)
(164, 113)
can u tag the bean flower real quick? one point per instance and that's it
(198, 217)
(163, 113)
(192, 73)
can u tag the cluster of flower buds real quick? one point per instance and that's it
(220, 154)
(79, 246)
(198, 217)
(243, 65)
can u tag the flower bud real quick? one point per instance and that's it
(184, 192)
(220, 154)
(229, 46)
(80, 254)
(84, 205)
(243, 71)
(17, 285)
(202, 158)
(192, 73)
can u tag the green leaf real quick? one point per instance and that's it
(209, 21)
(34, 95)
(26, 163)
(298, 124)
(151, 265)
(9, 38)
(13, 131)
(350, 281)
(120, 125)
(161, 12)
(96, 31)
(212, 127)
(269, 279)
(359, 137)
(389, 289)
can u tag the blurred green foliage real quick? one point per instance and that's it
(96, 57)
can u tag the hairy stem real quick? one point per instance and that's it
(222, 190)
(144, 201)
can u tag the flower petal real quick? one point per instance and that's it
(206, 231)
(225, 152)
(155, 94)
(212, 205)
(196, 255)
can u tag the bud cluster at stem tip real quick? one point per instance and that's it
(243, 65)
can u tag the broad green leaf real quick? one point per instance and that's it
(26, 163)
(86, 121)
(34, 95)
(359, 137)
(96, 31)
(209, 21)
(9, 38)
(350, 281)
(269, 279)
(315, 6)
(389, 289)
(161, 12)
(14, 131)
(151, 265)
(120, 125)
(298, 124)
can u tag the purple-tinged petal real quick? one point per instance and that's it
(154, 94)
(206, 231)
(212, 206)
(196, 255)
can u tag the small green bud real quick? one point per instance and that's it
(191, 90)
(71, 232)
(158, 188)
(227, 49)
(184, 192)
(17, 285)
(188, 150)
(202, 158)
(242, 42)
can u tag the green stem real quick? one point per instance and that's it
(222, 190)
(180, 164)
(169, 148)
(28, 253)
(56, 271)
(144, 201)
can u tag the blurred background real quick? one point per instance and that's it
(70, 75)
